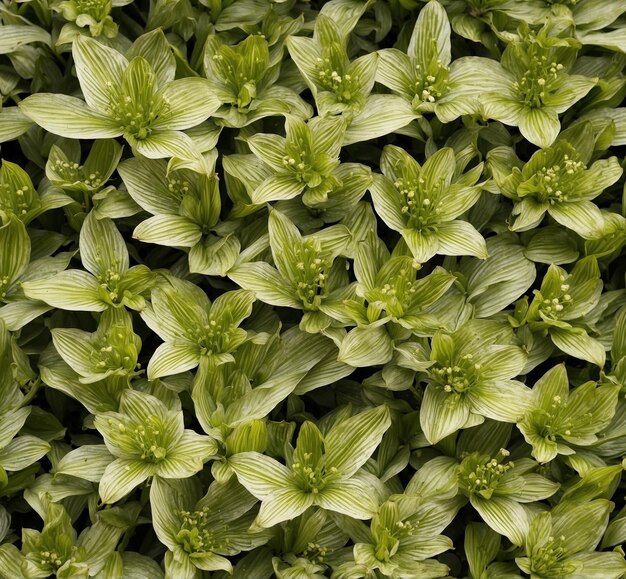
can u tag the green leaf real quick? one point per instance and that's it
(190, 101)
(121, 477)
(441, 414)
(284, 505)
(87, 462)
(576, 342)
(262, 476)
(14, 36)
(351, 442)
(266, 282)
(350, 497)
(13, 123)
(431, 36)
(168, 230)
(68, 290)
(278, 187)
(366, 346)
(14, 251)
(99, 70)
(69, 117)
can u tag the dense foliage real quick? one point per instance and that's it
(305, 289)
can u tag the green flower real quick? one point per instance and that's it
(558, 180)
(341, 86)
(186, 209)
(558, 545)
(535, 87)
(194, 328)
(424, 202)
(201, 533)
(135, 98)
(94, 14)
(244, 77)
(307, 269)
(57, 550)
(146, 439)
(558, 420)
(471, 378)
(110, 352)
(561, 306)
(19, 197)
(323, 470)
(427, 77)
(109, 282)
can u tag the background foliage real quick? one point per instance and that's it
(312, 289)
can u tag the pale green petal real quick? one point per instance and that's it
(441, 414)
(539, 125)
(460, 238)
(278, 187)
(504, 516)
(99, 70)
(352, 498)
(396, 72)
(366, 346)
(87, 462)
(502, 400)
(190, 101)
(13, 123)
(431, 35)
(121, 477)
(173, 358)
(262, 476)
(266, 282)
(583, 217)
(283, 505)
(352, 441)
(577, 343)
(387, 202)
(102, 247)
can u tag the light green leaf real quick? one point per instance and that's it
(102, 247)
(266, 282)
(540, 126)
(23, 451)
(352, 441)
(69, 290)
(68, 116)
(190, 102)
(168, 230)
(441, 414)
(13, 123)
(173, 358)
(121, 477)
(284, 505)
(278, 187)
(14, 36)
(14, 250)
(366, 346)
(583, 217)
(262, 476)
(87, 462)
(352, 498)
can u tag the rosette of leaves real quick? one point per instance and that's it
(186, 210)
(470, 377)
(561, 181)
(144, 439)
(137, 98)
(86, 182)
(558, 420)
(109, 281)
(193, 328)
(340, 86)
(386, 303)
(110, 352)
(307, 269)
(557, 545)
(304, 162)
(423, 202)
(560, 307)
(427, 77)
(323, 470)
(245, 79)
(402, 539)
(57, 550)
(201, 532)
(535, 86)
